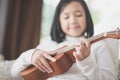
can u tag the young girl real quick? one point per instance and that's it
(72, 24)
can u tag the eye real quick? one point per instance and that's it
(66, 17)
(79, 15)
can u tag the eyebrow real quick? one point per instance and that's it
(78, 11)
(75, 11)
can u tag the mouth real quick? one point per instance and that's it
(75, 27)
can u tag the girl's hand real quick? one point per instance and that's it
(82, 50)
(39, 60)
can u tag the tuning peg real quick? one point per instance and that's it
(117, 30)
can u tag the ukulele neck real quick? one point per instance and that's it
(112, 34)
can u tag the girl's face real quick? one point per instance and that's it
(73, 19)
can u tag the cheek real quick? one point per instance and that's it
(63, 25)
(83, 25)
(82, 22)
(64, 28)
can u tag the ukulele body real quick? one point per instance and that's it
(63, 62)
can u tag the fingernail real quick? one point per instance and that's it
(73, 53)
(51, 70)
(53, 60)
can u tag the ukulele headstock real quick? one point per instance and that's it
(115, 34)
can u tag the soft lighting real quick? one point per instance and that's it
(51, 2)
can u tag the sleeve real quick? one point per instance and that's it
(24, 60)
(99, 65)
(21, 63)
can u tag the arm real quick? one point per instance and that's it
(21, 63)
(98, 65)
(35, 57)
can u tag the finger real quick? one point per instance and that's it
(52, 53)
(85, 47)
(81, 49)
(78, 56)
(86, 42)
(49, 57)
(47, 66)
(40, 68)
(37, 62)
(84, 50)
(77, 48)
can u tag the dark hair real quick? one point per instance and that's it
(56, 32)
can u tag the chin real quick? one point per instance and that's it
(75, 36)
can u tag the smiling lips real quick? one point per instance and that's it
(75, 27)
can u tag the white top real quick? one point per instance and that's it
(97, 66)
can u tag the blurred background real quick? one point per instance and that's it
(23, 23)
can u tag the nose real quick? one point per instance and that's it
(72, 19)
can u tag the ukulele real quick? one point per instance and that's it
(64, 58)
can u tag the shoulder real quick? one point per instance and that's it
(99, 44)
(108, 43)
(105, 47)
(99, 48)
(47, 40)
(47, 44)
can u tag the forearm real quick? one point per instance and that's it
(21, 63)
(92, 71)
